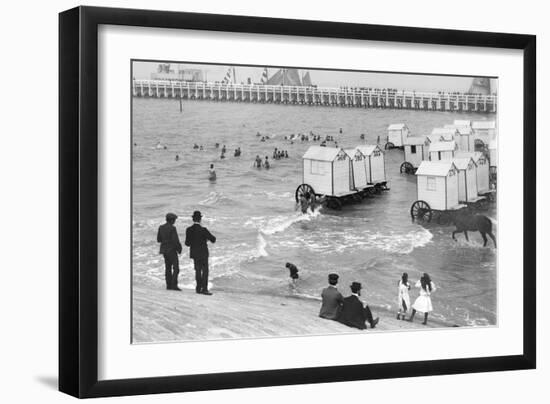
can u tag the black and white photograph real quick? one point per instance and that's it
(284, 201)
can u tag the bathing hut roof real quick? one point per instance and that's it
(484, 124)
(444, 131)
(435, 168)
(473, 155)
(462, 163)
(461, 122)
(462, 130)
(397, 126)
(322, 153)
(442, 146)
(352, 152)
(416, 140)
(435, 138)
(367, 149)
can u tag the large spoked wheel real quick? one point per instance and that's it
(303, 190)
(406, 168)
(334, 203)
(389, 146)
(421, 211)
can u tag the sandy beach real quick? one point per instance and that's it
(163, 316)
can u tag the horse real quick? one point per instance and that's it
(467, 221)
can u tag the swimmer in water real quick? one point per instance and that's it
(258, 162)
(177, 157)
(266, 163)
(212, 173)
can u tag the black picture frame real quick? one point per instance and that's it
(78, 200)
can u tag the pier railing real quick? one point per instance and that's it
(311, 95)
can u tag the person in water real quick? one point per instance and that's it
(212, 173)
(403, 299)
(266, 162)
(258, 162)
(177, 157)
(293, 269)
(303, 202)
(332, 299)
(423, 303)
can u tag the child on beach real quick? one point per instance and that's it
(403, 299)
(423, 303)
(293, 276)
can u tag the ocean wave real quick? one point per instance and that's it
(272, 225)
(216, 198)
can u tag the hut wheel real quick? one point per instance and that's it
(406, 168)
(421, 211)
(334, 203)
(302, 190)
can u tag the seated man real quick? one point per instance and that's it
(332, 299)
(353, 313)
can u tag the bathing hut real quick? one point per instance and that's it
(482, 169)
(447, 134)
(437, 184)
(375, 164)
(327, 170)
(416, 149)
(467, 179)
(464, 137)
(462, 122)
(484, 129)
(358, 169)
(442, 150)
(435, 138)
(493, 156)
(397, 133)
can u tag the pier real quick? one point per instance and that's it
(311, 95)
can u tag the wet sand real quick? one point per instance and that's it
(163, 316)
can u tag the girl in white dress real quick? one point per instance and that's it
(403, 299)
(423, 303)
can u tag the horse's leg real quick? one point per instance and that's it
(493, 238)
(466, 235)
(484, 238)
(454, 232)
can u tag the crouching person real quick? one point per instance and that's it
(332, 299)
(353, 313)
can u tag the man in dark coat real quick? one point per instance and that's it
(332, 299)
(353, 313)
(196, 237)
(170, 247)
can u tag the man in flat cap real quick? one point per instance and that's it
(332, 299)
(170, 247)
(196, 237)
(353, 313)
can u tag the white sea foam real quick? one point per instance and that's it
(280, 223)
(262, 244)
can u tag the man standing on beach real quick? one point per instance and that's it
(196, 237)
(353, 313)
(170, 247)
(332, 299)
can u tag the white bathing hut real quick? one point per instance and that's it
(327, 170)
(462, 122)
(442, 150)
(358, 169)
(493, 155)
(397, 133)
(464, 137)
(467, 179)
(482, 169)
(485, 128)
(375, 164)
(437, 184)
(416, 149)
(447, 134)
(435, 138)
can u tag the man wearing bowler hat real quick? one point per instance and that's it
(332, 299)
(353, 313)
(170, 247)
(196, 237)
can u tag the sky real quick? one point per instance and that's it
(327, 78)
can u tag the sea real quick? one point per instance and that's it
(252, 212)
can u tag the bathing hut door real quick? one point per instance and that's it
(358, 170)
